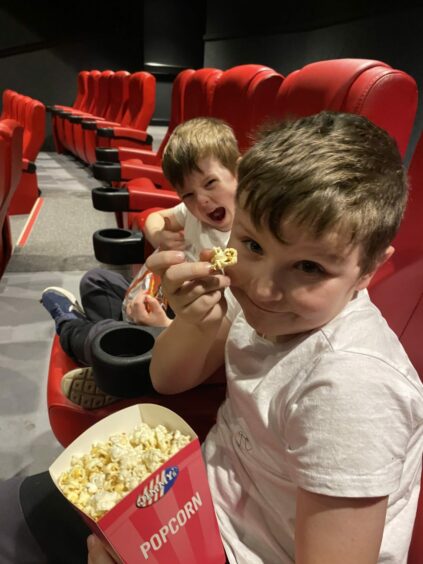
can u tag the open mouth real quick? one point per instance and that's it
(218, 214)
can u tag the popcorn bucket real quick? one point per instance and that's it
(169, 517)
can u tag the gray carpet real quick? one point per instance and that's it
(62, 235)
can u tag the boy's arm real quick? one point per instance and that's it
(192, 347)
(160, 221)
(330, 530)
(184, 356)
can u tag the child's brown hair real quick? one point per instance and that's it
(195, 139)
(330, 171)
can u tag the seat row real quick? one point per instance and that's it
(246, 96)
(30, 114)
(104, 99)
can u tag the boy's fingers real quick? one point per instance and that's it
(159, 262)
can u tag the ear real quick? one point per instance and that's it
(365, 280)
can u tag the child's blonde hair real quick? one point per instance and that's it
(195, 139)
(327, 172)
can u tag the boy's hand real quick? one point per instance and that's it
(194, 292)
(169, 239)
(98, 553)
(146, 310)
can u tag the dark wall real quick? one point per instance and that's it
(173, 41)
(43, 47)
(288, 37)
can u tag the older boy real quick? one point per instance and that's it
(316, 454)
(200, 160)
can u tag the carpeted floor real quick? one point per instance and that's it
(57, 253)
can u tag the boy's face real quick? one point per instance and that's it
(293, 288)
(210, 194)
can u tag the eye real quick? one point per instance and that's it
(253, 246)
(310, 267)
(210, 182)
(187, 195)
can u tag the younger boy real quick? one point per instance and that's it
(200, 160)
(316, 453)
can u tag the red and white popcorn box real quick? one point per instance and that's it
(169, 517)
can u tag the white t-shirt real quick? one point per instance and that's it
(337, 412)
(198, 236)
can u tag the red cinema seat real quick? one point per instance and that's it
(397, 290)
(34, 124)
(11, 133)
(131, 131)
(99, 111)
(118, 154)
(89, 106)
(79, 104)
(387, 96)
(197, 406)
(119, 93)
(197, 100)
(244, 97)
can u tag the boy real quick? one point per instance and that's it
(200, 160)
(316, 454)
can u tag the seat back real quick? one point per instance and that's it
(102, 98)
(35, 128)
(92, 91)
(199, 93)
(176, 109)
(119, 88)
(232, 100)
(141, 101)
(81, 91)
(386, 96)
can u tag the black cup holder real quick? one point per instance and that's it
(121, 360)
(107, 154)
(107, 198)
(110, 172)
(118, 246)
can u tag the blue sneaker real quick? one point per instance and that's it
(61, 305)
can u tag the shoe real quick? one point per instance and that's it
(79, 387)
(61, 305)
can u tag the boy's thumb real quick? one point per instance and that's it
(167, 223)
(153, 303)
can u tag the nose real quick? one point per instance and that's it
(202, 199)
(267, 289)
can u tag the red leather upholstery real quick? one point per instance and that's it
(198, 406)
(119, 93)
(397, 290)
(176, 117)
(198, 97)
(388, 97)
(30, 114)
(243, 97)
(11, 133)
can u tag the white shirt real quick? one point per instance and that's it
(198, 235)
(337, 412)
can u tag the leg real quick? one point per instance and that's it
(58, 529)
(38, 525)
(76, 337)
(102, 293)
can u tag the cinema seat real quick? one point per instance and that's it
(11, 134)
(386, 96)
(78, 104)
(118, 154)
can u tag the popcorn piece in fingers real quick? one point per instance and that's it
(223, 257)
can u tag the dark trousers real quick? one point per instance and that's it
(102, 293)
